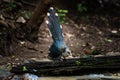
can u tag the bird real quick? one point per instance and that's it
(58, 49)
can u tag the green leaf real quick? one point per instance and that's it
(24, 68)
(65, 11)
(109, 40)
(81, 8)
(78, 63)
(61, 14)
(60, 10)
(95, 52)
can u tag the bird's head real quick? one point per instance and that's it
(66, 53)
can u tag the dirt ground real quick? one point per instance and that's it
(83, 35)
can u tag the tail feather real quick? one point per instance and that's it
(54, 25)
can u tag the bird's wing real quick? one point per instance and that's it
(54, 25)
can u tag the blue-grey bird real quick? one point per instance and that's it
(58, 49)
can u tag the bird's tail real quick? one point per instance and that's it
(54, 25)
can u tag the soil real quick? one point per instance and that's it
(82, 33)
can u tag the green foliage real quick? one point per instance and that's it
(81, 8)
(62, 14)
(78, 63)
(26, 14)
(24, 68)
(13, 5)
(95, 52)
(109, 40)
(64, 11)
(9, 7)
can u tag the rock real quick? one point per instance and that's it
(21, 20)
(100, 55)
(118, 74)
(22, 42)
(26, 76)
(113, 53)
(100, 32)
(1, 17)
(69, 35)
(29, 76)
(84, 28)
(5, 74)
(82, 34)
(114, 31)
(92, 47)
(26, 61)
(110, 53)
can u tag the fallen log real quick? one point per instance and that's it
(71, 66)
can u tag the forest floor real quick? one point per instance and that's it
(85, 35)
